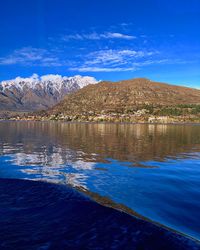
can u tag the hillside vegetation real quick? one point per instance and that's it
(130, 100)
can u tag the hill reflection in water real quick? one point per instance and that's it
(123, 142)
(152, 169)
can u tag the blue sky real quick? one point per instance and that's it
(107, 39)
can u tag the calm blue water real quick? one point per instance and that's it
(152, 169)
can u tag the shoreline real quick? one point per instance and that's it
(101, 122)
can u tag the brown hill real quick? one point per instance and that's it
(125, 96)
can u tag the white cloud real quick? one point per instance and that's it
(98, 36)
(123, 68)
(116, 60)
(30, 56)
(102, 69)
(107, 60)
(115, 57)
(119, 35)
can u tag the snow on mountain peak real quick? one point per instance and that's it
(50, 81)
(51, 78)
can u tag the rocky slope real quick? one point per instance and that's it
(127, 96)
(36, 93)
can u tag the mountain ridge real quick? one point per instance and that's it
(35, 93)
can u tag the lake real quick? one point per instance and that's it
(152, 171)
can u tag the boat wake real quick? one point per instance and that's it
(39, 215)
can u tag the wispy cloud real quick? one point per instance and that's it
(107, 60)
(118, 35)
(135, 66)
(114, 60)
(98, 36)
(102, 69)
(110, 56)
(30, 56)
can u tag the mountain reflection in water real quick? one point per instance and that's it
(151, 169)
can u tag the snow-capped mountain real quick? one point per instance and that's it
(35, 93)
